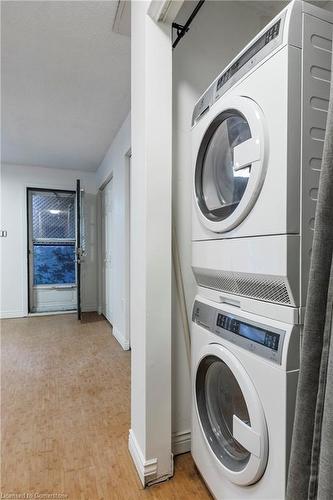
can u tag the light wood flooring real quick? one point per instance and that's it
(66, 414)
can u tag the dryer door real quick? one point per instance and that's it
(230, 415)
(231, 164)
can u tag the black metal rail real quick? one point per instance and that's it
(183, 29)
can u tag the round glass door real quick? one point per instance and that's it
(219, 398)
(231, 163)
(219, 186)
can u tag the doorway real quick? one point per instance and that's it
(107, 257)
(51, 251)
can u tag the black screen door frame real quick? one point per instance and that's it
(78, 247)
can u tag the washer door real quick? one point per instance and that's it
(230, 166)
(231, 415)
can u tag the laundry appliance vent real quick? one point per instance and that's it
(267, 288)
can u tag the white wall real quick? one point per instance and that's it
(116, 164)
(150, 284)
(218, 33)
(14, 181)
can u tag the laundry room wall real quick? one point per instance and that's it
(218, 33)
(116, 165)
(14, 181)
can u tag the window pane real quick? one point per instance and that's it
(54, 264)
(53, 215)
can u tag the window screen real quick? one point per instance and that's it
(53, 237)
(53, 215)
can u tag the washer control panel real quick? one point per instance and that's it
(264, 340)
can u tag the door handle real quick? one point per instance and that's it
(246, 436)
(246, 153)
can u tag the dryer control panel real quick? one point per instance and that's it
(262, 46)
(262, 339)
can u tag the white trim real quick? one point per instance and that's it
(122, 18)
(127, 320)
(146, 469)
(120, 338)
(164, 11)
(106, 181)
(89, 307)
(12, 314)
(181, 442)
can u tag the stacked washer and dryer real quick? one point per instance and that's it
(257, 139)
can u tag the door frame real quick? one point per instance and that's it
(128, 246)
(124, 339)
(27, 260)
(78, 246)
(102, 243)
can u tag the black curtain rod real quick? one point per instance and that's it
(182, 30)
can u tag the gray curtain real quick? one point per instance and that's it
(311, 461)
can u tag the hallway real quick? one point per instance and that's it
(66, 414)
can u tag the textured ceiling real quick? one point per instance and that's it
(65, 79)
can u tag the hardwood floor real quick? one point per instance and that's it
(66, 415)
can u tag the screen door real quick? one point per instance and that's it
(51, 250)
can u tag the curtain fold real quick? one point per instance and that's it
(311, 460)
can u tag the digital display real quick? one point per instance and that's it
(254, 333)
(270, 34)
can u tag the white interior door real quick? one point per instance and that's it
(107, 250)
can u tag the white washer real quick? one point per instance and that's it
(257, 142)
(244, 379)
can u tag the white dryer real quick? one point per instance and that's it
(257, 142)
(244, 380)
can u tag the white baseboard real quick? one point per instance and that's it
(146, 469)
(181, 442)
(12, 314)
(89, 307)
(121, 339)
